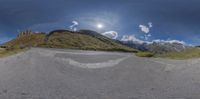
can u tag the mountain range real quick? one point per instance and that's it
(158, 47)
(82, 39)
(90, 40)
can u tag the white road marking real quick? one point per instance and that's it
(109, 63)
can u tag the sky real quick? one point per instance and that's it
(145, 20)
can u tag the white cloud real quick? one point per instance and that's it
(169, 41)
(73, 26)
(110, 34)
(75, 22)
(144, 28)
(132, 38)
(150, 24)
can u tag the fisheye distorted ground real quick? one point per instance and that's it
(74, 74)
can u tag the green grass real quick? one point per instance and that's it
(187, 54)
(144, 54)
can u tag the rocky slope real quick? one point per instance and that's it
(158, 47)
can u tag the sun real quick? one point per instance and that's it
(99, 25)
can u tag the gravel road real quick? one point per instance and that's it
(73, 74)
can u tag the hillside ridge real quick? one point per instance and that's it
(83, 39)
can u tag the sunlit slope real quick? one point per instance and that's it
(85, 40)
(82, 40)
(187, 54)
(27, 40)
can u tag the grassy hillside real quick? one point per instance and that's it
(187, 54)
(67, 39)
(77, 40)
(21, 43)
(27, 41)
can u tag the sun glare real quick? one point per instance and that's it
(99, 26)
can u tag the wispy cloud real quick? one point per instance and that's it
(110, 34)
(150, 24)
(74, 25)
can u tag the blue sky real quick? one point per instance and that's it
(171, 19)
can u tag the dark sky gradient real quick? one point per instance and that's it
(171, 19)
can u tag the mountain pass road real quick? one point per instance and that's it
(75, 74)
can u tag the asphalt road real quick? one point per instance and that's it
(74, 74)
